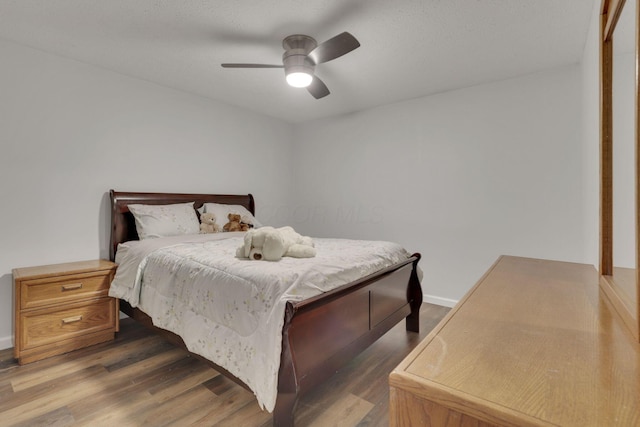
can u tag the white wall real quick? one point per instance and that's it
(69, 132)
(591, 139)
(461, 177)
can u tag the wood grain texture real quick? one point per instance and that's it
(59, 289)
(533, 343)
(140, 379)
(407, 410)
(48, 326)
(63, 307)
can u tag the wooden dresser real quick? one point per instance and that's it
(63, 307)
(534, 343)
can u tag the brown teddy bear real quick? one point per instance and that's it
(235, 223)
(208, 223)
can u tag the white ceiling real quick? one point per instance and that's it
(409, 48)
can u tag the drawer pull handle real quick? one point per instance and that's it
(71, 286)
(71, 319)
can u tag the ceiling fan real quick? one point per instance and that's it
(302, 54)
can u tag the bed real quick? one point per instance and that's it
(319, 334)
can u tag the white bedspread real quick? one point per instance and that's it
(231, 311)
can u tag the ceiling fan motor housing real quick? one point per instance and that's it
(295, 58)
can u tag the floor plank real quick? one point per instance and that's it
(141, 380)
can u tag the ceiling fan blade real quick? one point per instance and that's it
(317, 88)
(334, 48)
(251, 66)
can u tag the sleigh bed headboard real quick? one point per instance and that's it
(123, 225)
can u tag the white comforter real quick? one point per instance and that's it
(231, 311)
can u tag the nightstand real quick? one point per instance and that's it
(63, 307)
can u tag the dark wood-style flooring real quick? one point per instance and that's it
(141, 380)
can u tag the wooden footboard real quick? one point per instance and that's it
(322, 334)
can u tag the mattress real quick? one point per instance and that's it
(230, 310)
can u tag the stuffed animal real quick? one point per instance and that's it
(235, 223)
(271, 244)
(208, 223)
(246, 222)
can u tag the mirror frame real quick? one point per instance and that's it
(609, 14)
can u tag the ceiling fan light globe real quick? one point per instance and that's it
(299, 79)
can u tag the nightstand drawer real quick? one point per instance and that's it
(56, 290)
(50, 326)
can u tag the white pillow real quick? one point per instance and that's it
(153, 221)
(222, 212)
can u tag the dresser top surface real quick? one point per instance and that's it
(62, 269)
(535, 339)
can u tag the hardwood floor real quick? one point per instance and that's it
(141, 380)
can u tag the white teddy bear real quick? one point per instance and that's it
(271, 244)
(208, 223)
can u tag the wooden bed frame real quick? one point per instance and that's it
(320, 334)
